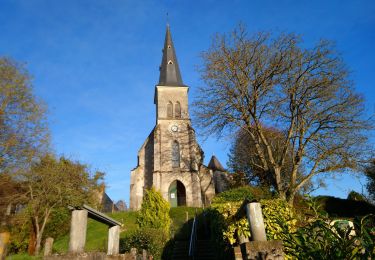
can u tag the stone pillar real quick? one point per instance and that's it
(78, 228)
(237, 253)
(133, 252)
(113, 240)
(48, 246)
(255, 218)
(4, 240)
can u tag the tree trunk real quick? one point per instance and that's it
(291, 197)
(279, 187)
(40, 231)
(32, 242)
(38, 242)
(282, 195)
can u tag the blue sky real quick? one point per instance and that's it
(95, 64)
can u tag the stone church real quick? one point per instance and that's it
(170, 159)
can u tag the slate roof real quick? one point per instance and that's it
(169, 70)
(215, 165)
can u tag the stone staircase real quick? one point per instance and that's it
(181, 250)
(204, 250)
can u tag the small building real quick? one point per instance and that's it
(170, 159)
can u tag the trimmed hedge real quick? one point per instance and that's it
(239, 194)
(336, 207)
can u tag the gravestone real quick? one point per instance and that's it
(48, 246)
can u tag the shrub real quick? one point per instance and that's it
(154, 212)
(149, 239)
(19, 233)
(227, 229)
(274, 211)
(344, 208)
(59, 224)
(239, 194)
(319, 240)
(278, 211)
(353, 195)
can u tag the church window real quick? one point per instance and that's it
(175, 154)
(177, 110)
(170, 110)
(170, 62)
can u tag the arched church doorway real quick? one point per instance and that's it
(177, 194)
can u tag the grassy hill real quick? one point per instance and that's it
(96, 236)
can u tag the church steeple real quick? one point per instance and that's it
(169, 70)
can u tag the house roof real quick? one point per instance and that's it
(215, 165)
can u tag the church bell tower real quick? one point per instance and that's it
(171, 159)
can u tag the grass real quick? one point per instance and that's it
(96, 236)
(180, 227)
(23, 256)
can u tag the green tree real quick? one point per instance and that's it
(23, 130)
(23, 127)
(52, 184)
(258, 82)
(154, 212)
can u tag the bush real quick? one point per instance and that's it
(149, 239)
(278, 211)
(344, 208)
(226, 229)
(59, 224)
(154, 212)
(240, 194)
(353, 195)
(19, 233)
(319, 240)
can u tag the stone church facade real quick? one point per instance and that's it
(170, 159)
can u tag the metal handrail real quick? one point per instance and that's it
(193, 238)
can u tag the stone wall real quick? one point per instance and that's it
(166, 94)
(93, 256)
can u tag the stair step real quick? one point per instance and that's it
(204, 250)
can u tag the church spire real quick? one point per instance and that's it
(169, 70)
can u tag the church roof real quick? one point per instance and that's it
(169, 70)
(215, 165)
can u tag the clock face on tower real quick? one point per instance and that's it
(174, 128)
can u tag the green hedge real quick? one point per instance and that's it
(239, 194)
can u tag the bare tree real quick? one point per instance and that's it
(243, 158)
(255, 82)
